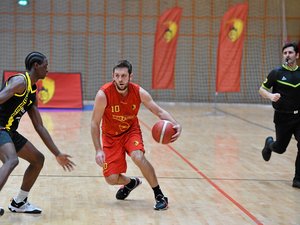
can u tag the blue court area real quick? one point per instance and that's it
(85, 108)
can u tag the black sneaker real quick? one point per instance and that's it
(266, 152)
(23, 207)
(296, 183)
(1, 211)
(161, 202)
(124, 191)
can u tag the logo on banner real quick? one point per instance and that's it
(171, 31)
(236, 29)
(46, 91)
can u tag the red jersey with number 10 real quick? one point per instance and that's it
(121, 111)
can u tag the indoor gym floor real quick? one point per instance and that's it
(213, 174)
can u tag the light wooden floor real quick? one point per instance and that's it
(214, 174)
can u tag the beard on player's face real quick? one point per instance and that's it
(121, 86)
(121, 79)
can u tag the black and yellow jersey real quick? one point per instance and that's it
(14, 108)
(286, 82)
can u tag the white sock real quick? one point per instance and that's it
(21, 196)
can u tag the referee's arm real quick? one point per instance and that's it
(265, 93)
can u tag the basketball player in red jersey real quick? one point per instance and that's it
(117, 104)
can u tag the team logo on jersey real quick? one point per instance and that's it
(236, 29)
(133, 107)
(136, 143)
(123, 118)
(46, 91)
(124, 127)
(283, 78)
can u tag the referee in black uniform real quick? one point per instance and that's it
(282, 87)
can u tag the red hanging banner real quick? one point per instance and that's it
(230, 48)
(165, 49)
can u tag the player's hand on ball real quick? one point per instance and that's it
(178, 129)
(65, 162)
(100, 157)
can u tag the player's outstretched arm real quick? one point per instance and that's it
(62, 159)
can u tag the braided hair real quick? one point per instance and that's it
(32, 58)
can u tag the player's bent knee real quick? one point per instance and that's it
(41, 159)
(112, 179)
(137, 156)
(38, 160)
(13, 162)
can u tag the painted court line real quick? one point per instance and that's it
(243, 209)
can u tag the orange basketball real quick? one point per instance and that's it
(162, 131)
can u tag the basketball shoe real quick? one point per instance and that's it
(23, 207)
(124, 191)
(296, 183)
(266, 152)
(1, 211)
(161, 202)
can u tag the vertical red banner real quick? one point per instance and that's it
(165, 49)
(230, 48)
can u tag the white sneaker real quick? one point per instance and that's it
(23, 207)
(1, 211)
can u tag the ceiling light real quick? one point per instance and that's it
(23, 2)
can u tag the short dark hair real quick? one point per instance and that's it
(291, 44)
(32, 58)
(123, 64)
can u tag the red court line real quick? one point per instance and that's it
(243, 209)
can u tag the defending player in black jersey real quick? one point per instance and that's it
(17, 97)
(282, 87)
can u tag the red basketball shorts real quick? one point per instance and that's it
(116, 147)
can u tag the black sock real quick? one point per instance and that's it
(131, 184)
(157, 191)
